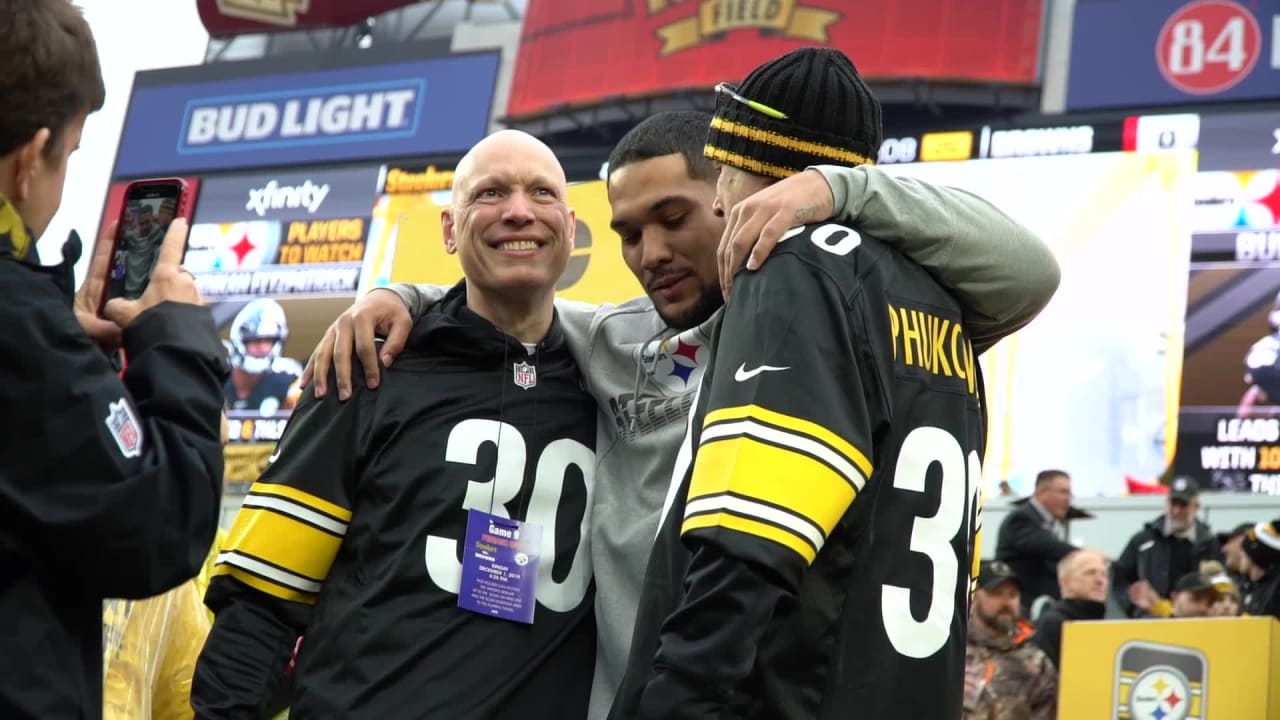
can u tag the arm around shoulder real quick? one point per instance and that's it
(999, 270)
(117, 486)
(417, 297)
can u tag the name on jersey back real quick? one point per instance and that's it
(924, 342)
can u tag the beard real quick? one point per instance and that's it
(1002, 620)
(709, 301)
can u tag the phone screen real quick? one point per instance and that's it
(149, 207)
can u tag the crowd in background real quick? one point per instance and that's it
(1174, 566)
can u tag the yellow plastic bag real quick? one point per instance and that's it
(150, 651)
(150, 648)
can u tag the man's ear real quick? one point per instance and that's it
(573, 229)
(29, 158)
(446, 228)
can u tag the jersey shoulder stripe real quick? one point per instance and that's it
(283, 542)
(778, 477)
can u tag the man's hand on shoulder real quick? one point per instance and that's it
(756, 225)
(379, 312)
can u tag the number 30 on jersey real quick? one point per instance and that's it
(465, 441)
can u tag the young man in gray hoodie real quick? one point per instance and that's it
(643, 359)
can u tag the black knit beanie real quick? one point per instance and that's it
(1262, 544)
(832, 117)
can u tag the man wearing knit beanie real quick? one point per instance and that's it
(1261, 547)
(817, 550)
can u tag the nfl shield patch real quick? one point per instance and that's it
(524, 375)
(124, 427)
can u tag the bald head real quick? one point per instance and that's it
(511, 227)
(506, 152)
(1083, 575)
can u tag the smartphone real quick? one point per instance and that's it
(147, 208)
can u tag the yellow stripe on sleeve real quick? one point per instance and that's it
(750, 527)
(283, 541)
(776, 476)
(303, 498)
(796, 425)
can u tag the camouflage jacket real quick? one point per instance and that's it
(1006, 678)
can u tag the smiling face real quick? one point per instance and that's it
(509, 223)
(669, 236)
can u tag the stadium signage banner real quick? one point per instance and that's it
(659, 46)
(1173, 52)
(397, 109)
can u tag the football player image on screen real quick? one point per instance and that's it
(262, 379)
(1262, 371)
(144, 226)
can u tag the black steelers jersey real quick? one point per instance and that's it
(816, 556)
(354, 538)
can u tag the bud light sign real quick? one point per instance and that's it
(321, 116)
(423, 107)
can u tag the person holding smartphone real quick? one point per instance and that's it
(110, 485)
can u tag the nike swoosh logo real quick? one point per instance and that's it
(273, 457)
(742, 374)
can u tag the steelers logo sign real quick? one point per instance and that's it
(1160, 693)
(676, 364)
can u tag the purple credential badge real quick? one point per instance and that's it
(500, 567)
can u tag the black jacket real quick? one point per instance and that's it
(1159, 559)
(1048, 634)
(108, 488)
(354, 534)
(1032, 551)
(1263, 596)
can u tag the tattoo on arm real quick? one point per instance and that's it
(806, 214)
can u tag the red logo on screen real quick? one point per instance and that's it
(1208, 46)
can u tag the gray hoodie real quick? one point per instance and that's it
(644, 374)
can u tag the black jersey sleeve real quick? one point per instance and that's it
(783, 452)
(288, 531)
(277, 556)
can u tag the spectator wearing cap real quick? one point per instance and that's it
(1033, 537)
(1193, 595)
(1006, 677)
(1234, 558)
(1082, 577)
(1261, 547)
(1227, 603)
(1163, 551)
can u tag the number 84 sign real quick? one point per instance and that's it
(1208, 46)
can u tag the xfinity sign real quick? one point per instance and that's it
(284, 196)
(370, 105)
(340, 114)
(274, 196)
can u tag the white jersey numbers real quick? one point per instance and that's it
(465, 441)
(932, 537)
